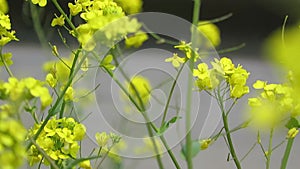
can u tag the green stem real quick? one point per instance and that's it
(189, 160)
(142, 110)
(5, 64)
(227, 131)
(62, 109)
(151, 135)
(54, 108)
(172, 156)
(269, 153)
(287, 152)
(170, 94)
(71, 74)
(45, 155)
(56, 4)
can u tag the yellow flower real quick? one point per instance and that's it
(187, 49)
(204, 144)
(51, 80)
(61, 68)
(5, 34)
(102, 139)
(60, 21)
(69, 95)
(106, 62)
(211, 31)
(206, 78)
(6, 59)
(139, 88)
(75, 9)
(292, 133)
(238, 91)
(3, 6)
(12, 150)
(202, 71)
(130, 6)
(5, 21)
(85, 164)
(59, 139)
(176, 60)
(136, 40)
(79, 131)
(41, 3)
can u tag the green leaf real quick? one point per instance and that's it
(293, 122)
(166, 125)
(174, 119)
(195, 149)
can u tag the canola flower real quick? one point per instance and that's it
(204, 144)
(186, 48)
(16, 90)
(6, 34)
(58, 21)
(60, 70)
(136, 40)
(139, 88)
(12, 149)
(275, 104)
(3, 6)
(130, 6)
(96, 16)
(212, 33)
(106, 63)
(223, 69)
(176, 60)
(285, 52)
(59, 139)
(41, 3)
(110, 145)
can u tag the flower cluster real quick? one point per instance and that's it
(25, 89)
(6, 34)
(59, 139)
(12, 136)
(234, 76)
(275, 103)
(111, 144)
(97, 15)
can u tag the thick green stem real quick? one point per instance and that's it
(287, 152)
(189, 160)
(269, 153)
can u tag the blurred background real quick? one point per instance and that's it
(251, 23)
